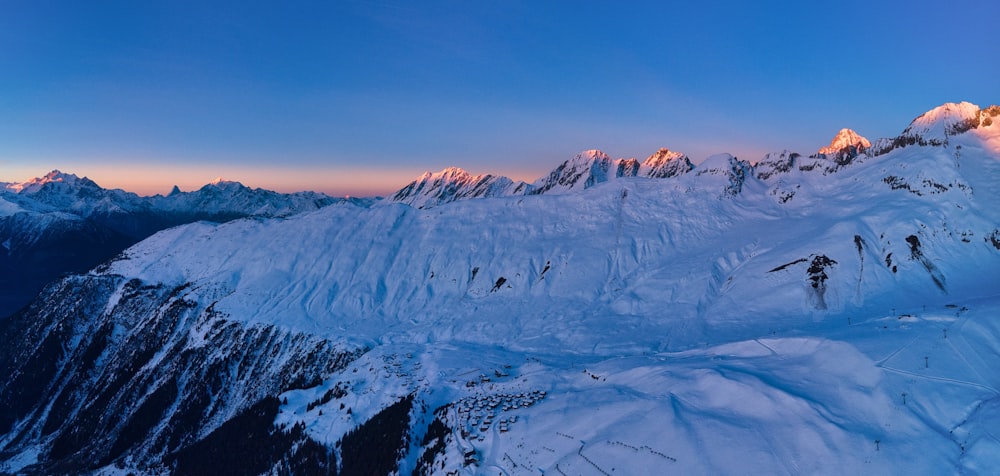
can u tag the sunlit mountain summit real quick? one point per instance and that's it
(828, 312)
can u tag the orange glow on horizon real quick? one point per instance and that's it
(353, 182)
(153, 179)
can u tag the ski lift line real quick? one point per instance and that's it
(943, 379)
(881, 362)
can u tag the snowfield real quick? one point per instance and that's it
(804, 315)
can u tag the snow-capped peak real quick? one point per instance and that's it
(846, 139)
(934, 127)
(592, 154)
(665, 163)
(454, 183)
(55, 176)
(223, 185)
(586, 169)
(944, 120)
(662, 155)
(447, 174)
(221, 182)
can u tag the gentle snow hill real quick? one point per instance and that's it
(822, 315)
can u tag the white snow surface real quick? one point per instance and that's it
(648, 326)
(7, 208)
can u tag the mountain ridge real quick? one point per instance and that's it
(592, 167)
(61, 223)
(844, 311)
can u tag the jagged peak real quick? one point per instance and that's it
(774, 163)
(55, 176)
(447, 173)
(663, 155)
(453, 183)
(665, 163)
(174, 191)
(592, 154)
(846, 139)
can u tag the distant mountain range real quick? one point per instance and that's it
(61, 223)
(829, 313)
(592, 167)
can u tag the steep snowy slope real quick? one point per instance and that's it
(809, 319)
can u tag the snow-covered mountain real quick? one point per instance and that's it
(586, 169)
(936, 126)
(846, 139)
(453, 183)
(59, 191)
(792, 316)
(845, 147)
(62, 223)
(224, 197)
(665, 163)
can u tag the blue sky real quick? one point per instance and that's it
(361, 96)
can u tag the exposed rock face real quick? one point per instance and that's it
(587, 169)
(935, 127)
(124, 370)
(453, 183)
(724, 165)
(665, 163)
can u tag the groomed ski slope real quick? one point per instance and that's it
(672, 325)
